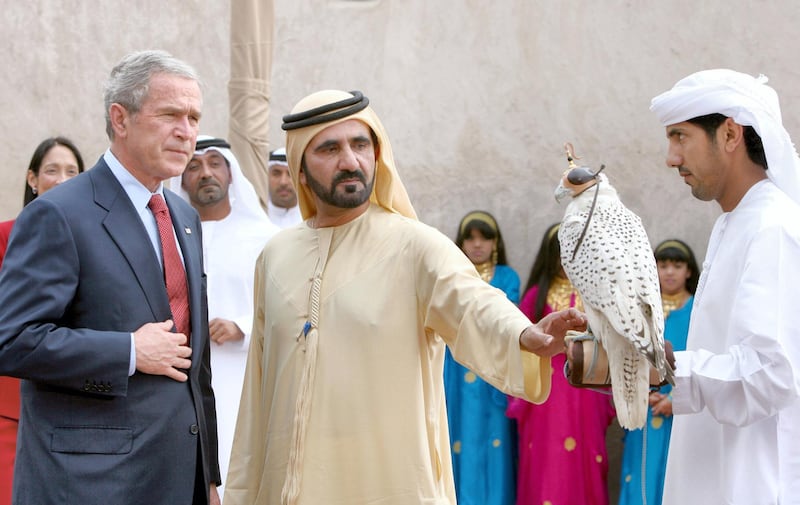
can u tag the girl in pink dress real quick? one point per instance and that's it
(562, 447)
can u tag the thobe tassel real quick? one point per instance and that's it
(302, 407)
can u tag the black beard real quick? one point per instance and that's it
(351, 198)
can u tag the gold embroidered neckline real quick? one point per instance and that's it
(559, 295)
(673, 302)
(486, 270)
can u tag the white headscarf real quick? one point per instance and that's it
(749, 102)
(277, 157)
(241, 192)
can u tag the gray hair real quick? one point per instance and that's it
(129, 82)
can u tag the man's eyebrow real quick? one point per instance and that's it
(327, 144)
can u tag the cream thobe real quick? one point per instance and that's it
(736, 434)
(394, 291)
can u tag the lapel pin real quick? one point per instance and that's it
(188, 230)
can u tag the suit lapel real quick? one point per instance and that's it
(125, 228)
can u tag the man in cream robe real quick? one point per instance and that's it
(736, 434)
(343, 402)
(235, 230)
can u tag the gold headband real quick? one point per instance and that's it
(673, 244)
(478, 215)
(553, 231)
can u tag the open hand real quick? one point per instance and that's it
(159, 351)
(559, 323)
(546, 338)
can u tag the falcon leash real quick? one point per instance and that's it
(589, 217)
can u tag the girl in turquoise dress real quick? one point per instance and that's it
(482, 438)
(678, 275)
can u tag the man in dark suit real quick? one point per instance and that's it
(117, 405)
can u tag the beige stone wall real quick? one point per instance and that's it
(56, 57)
(478, 97)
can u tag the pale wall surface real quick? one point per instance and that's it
(477, 96)
(57, 55)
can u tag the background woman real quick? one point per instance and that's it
(562, 449)
(55, 160)
(481, 436)
(678, 275)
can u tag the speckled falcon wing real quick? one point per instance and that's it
(614, 270)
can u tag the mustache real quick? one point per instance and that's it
(350, 174)
(207, 182)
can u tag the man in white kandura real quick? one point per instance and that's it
(737, 386)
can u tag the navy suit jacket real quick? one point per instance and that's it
(79, 276)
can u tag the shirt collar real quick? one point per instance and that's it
(136, 191)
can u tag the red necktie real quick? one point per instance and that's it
(174, 274)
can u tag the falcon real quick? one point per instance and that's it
(607, 256)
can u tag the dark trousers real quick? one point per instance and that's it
(200, 489)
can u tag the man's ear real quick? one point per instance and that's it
(119, 119)
(732, 134)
